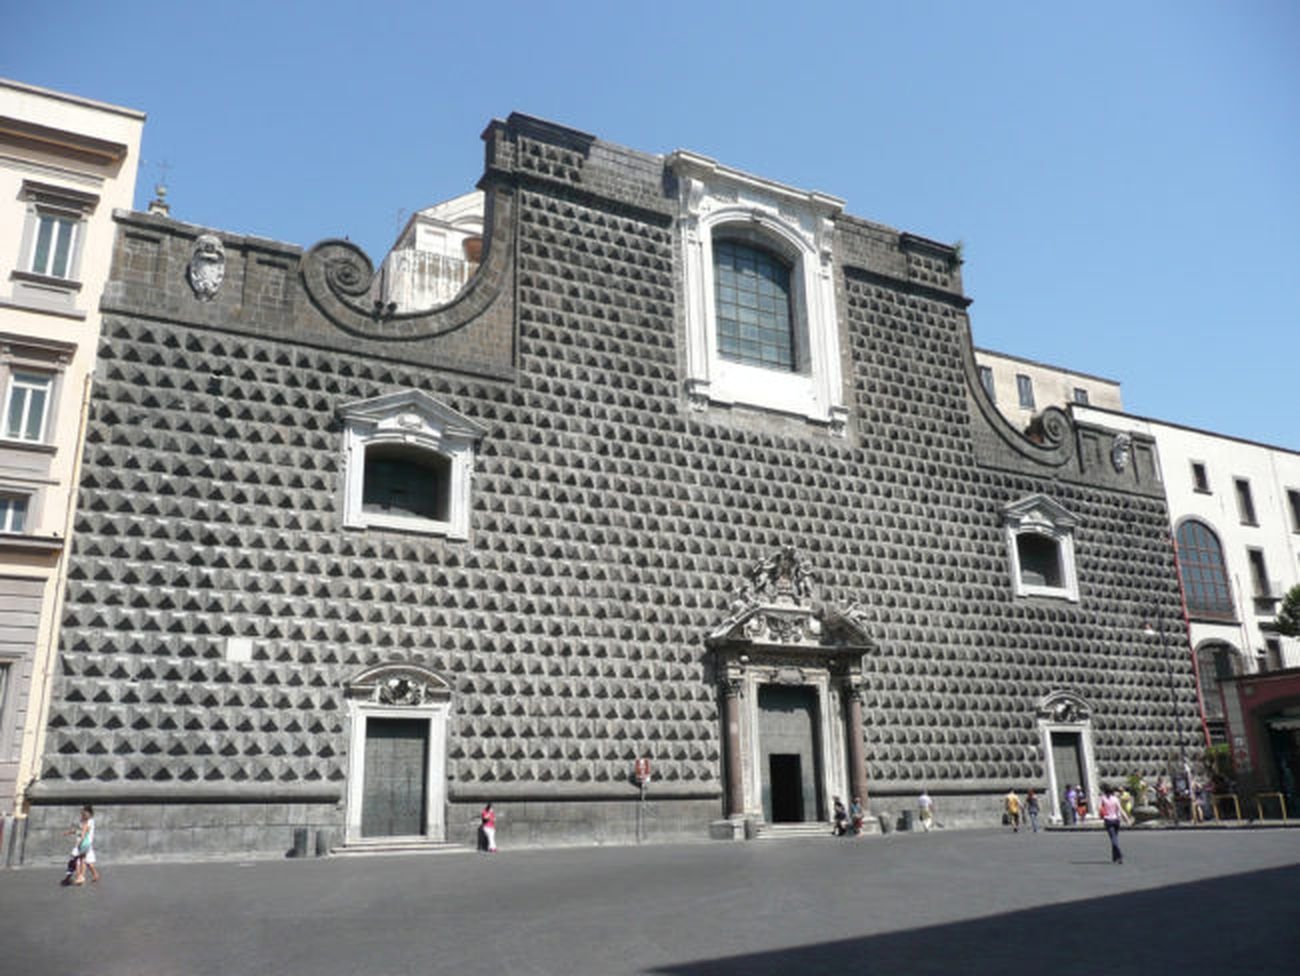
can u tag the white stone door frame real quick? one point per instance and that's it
(1068, 713)
(400, 691)
(829, 732)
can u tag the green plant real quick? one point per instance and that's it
(1218, 762)
(1137, 786)
(1288, 617)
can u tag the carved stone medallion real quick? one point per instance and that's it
(207, 267)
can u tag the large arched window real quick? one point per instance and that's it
(752, 304)
(1205, 579)
(759, 272)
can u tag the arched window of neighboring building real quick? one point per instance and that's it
(403, 480)
(1205, 577)
(752, 304)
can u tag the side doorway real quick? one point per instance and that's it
(397, 759)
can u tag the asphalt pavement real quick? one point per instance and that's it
(960, 903)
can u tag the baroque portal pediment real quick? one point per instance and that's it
(399, 684)
(773, 608)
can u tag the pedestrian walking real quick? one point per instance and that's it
(488, 828)
(856, 816)
(925, 810)
(1111, 814)
(1071, 799)
(1011, 808)
(1031, 808)
(83, 851)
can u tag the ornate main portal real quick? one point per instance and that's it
(791, 684)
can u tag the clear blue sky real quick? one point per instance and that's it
(1125, 177)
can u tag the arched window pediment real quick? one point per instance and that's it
(1040, 542)
(720, 205)
(1064, 707)
(398, 684)
(409, 462)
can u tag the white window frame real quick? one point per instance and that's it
(1025, 391)
(1040, 515)
(719, 202)
(59, 219)
(15, 506)
(22, 382)
(416, 420)
(57, 203)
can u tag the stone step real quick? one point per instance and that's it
(781, 831)
(397, 845)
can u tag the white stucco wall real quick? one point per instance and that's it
(1054, 386)
(1271, 472)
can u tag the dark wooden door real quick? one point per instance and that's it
(787, 787)
(394, 790)
(1067, 758)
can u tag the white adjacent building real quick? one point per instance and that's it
(1021, 388)
(435, 254)
(1235, 508)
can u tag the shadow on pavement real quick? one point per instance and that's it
(1246, 923)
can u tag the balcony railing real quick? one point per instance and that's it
(416, 280)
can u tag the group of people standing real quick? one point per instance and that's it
(1017, 812)
(848, 822)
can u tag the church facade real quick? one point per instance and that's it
(697, 469)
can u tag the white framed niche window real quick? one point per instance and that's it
(409, 465)
(757, 255)
(1040, 543)
(53, 233)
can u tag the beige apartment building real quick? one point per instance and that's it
(1022, 388)
(66, 163)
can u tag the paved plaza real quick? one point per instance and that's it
(959, 902)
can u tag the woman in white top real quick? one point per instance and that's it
(85, 849)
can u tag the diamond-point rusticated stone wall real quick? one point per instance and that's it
(609, 524)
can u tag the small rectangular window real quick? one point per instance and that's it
(13, 513)
(1080, 395)
(1025, 387)
(4, 691)
(1272, 654)
(1245, 502)
(1293, 499)
(27, 405)
(56, 239)
(986, 380)
(1200, 479)
(1259, 572)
